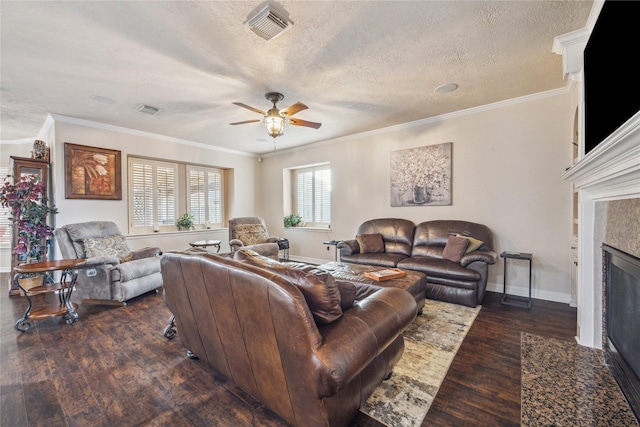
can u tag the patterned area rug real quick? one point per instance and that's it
(431, 342)
(566, 384)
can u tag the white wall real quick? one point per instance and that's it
(506, 167)
(242, 197)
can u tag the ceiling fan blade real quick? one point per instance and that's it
(246, 121)
(292, 109)
(240, 104)
(298, 122)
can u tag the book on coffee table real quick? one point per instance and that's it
(386, 274)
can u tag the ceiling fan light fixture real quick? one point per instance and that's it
(274, 122)
(267, 23)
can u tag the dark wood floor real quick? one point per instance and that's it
(114, 367)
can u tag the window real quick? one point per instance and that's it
(5, 214)
(153, 195)
(312, 195)
(205, 196)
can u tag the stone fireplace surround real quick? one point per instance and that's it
(609, 172)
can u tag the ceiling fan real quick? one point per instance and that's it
(275, 119)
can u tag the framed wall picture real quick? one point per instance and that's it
(92, 173)
(421, 176)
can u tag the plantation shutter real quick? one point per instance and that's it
(313, 195)
(205, 195)
(5, 223)
(153, 193)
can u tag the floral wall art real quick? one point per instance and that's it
(421, 176)
(92, 173)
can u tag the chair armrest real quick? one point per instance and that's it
(146, 252)
(349, 247)
(360, 334)
(489, 257)
(272, 239)
(134, 269)
(101, 260)
(235, 244)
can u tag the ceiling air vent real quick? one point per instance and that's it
(267, 24)
(147, 109)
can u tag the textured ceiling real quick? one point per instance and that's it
(358, 65)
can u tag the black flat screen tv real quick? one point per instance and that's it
(611, 83)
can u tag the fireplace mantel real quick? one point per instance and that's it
(613, 167)
(610, 171)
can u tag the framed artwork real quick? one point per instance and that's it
(92, 173)
(421, 176)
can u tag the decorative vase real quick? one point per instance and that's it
(420, 194)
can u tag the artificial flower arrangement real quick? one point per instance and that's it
(28, 209)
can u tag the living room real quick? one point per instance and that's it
(508, 159)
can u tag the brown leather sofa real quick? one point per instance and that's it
(286, 336)
(422, 248)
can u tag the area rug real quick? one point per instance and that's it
(431, 342)
(566, 384)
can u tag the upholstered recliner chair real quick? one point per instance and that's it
(113, 273)
(250, 232)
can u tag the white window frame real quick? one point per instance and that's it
(157, 222)
(5, 213)
(211, 213)
(316, 212)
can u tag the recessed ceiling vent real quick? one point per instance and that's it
(267, 23)
(147, 109)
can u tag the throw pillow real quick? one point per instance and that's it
(106, 246)
(473, 243)
(454, 249)
(318, 287)
(251, 234)
(370, 243)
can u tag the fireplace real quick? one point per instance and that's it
(621, 325)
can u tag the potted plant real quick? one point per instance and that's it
(185, 222)
(292, 220)
(29, 210)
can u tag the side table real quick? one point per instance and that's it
(283, 245)
(333, 243)
(206, 243)
(64, 288)
(515, 300)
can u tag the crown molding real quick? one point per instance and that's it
(134, 132)
(395, 128)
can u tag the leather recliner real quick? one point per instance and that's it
(266, 331)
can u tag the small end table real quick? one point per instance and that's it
(206, 243)
(333, 243)
(64, 288)
(283, 245)
(515, 300)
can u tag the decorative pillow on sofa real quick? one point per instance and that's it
(251, 234)
(473, 243)
(318, 287)
(370, 243)
(454, 249)
(107, 246)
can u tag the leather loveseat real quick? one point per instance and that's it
(286, 336)
(460, 278)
